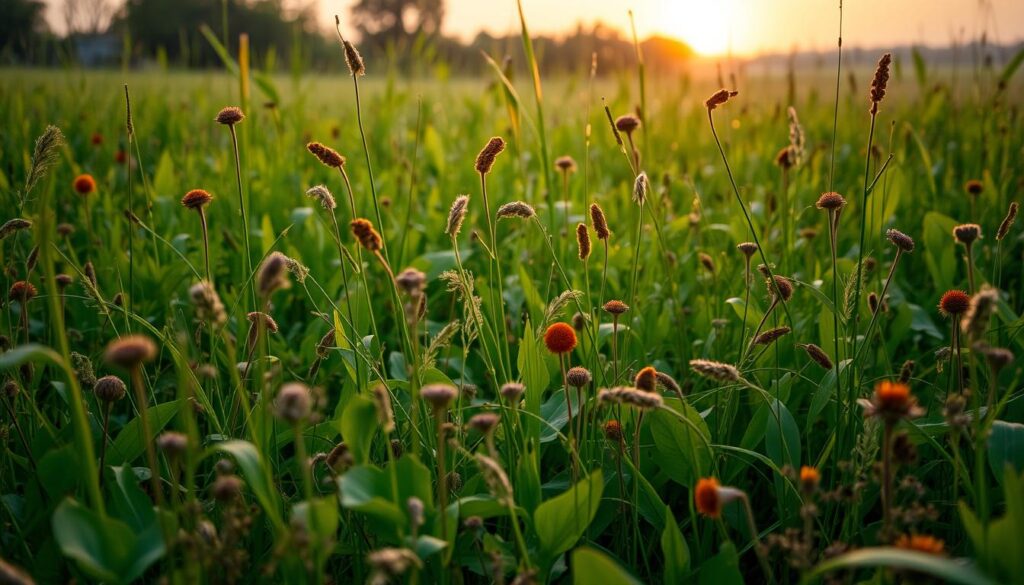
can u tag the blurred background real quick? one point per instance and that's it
(445, 37)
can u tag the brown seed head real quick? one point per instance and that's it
(646, 379)
(583, 241)
(831, 201)
(63, 281)
(172, 443)
(196, 199)
(615, 307)
(954, 303)
(613, 431)
(439, 396)
(597, 219)
(273, 274)
(881, 79)
(322, 195)
(14, 225)
(457, 215)
(578, 377)
(783, 287)
(109, 389)
(130, 351)
(367, 236)
(566, 164)
(771, 335)
(817, 354)
(627, 123)
(353, 59)
(719, 97)
(512, 391)
(385, 414)
(715, 370)
(967, 233)
(631, 396)
(485, 160)
(1007, 223)
(747, 248)
(901, 240)
(293, 403)
(327, 155)
(230, 116)
(22, 291)
(519, 209)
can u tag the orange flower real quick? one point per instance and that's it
(922, 543)
(954, 302)
(809, 478)
(706, 497)
(84, 184)
(646, 379)
(560, 338)
(891, 401)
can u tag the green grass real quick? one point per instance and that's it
(562, 503)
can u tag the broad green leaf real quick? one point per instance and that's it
(358, 426)
(682, 448)
(945, 570)
(561, 520)
(1006, 448)
(590, 566)
(673, 547)
(130, 443)
(127, 500)
(535, 376)
(723, 568)
(940, 255)
(782, 436)
(256, 476)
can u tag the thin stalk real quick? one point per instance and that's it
(245, 220)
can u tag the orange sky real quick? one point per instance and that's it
(748, 26)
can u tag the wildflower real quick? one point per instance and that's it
(809, 478)
(615, 307)
(273, 274)
(954, 303)
(566, 164)
(130, 351)
(22, 291)
(172, 443)
(627, 123)
(109, 389)
(974, 187)
(901, 240)
(293, 403)
(578, 377)
(710, 497)
(323, 196)
(747, 248)
(327, 155)
(456, 215)
(967, 233)
(922, 543)
(891, 401)
(719, 97)
(484, 422)
(84, 184)
(196, 199)
(560, 338)
(831, 201)
(706, 261)
(367, 236)
(439, 395)
(599, 222)
(485, 160)
(230, 116)
(512, 391)
(613, 431)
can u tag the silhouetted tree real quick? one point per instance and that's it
(394, 22)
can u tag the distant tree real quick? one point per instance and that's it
(20, 26)
(394, 22)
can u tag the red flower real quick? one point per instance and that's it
(84, 184)
(954, 302)
(560, 338)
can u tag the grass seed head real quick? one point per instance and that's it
(323, 196)
(484, 422)
(326, 155)
(817, 355)
(366, 235)
(646, 379)
(783, 288)
(635, 397)
(771, 335)
(879, 82)
(719, 97)
(600, 223)
(1007, 223)
(273, 274)
(456, 215)
(12, 226)
(583, 241)
(713, 370)
(485, 160)
(385, 414)
(641, 187)
(519, 209)
(353, 59)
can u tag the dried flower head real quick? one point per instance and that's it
(130, 351)
(597, 219)
(631, 396)
(109, 389)
(954, 303)
(583, 241)
(646, 379)
(979, 313)
(196, 199)
(327, 155)
(273, 274)
(560, 338)
(974, 187)
(485, 160)
(715, 370)
(641, 186)
(831, 201)
(230, 116)
(63, 281)
(706, 261)
(323, 196)
(209, 308)
(84, 184)
(891, 402)
(880, 81)
(366, 235)
(615, 307)
(484, 422)
(817, 354)
(512, 391)
(1007, 223)
(669, 383)
(997, 357)
(227, 488)
(771, 335)
(613, 431)
(901, 240)
(293, 403)
(578, 377)
(353, 59)
(457, 215)
(719, 97)
(339, 458)
(172, 443)
(747, 248)
(783, 288)
(967, 233)
(439, 396)
(22, 291)
(627, 123)
(519, 209)
(566, 164)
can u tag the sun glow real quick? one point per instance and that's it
(703, 24)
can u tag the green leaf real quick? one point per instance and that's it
(590, 566)
(1006, 448)
(222, 52)
(945, 570)
(128, 502)
(673, 546)
(130, 443)
(256, 476)
(723, 568)
(358, 426)
(561, 521)
(682, 450)
(782, 436)
(104, 548)
(535, 377)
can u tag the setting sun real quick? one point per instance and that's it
(705, 26)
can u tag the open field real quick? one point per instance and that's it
(734, 379)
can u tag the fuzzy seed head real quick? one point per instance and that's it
(715, 370)
(783, 288)
(273, 274)
(566, 164)
(583, 241)
(578, 377)
(439, 396)
(109, 389)
(880, 81)
(615, 307)
(954, 303)
(831, 201)
(817, 355)
(353, 59)
(209, 308)
(485, 160)
(457, 215)
(627, 123)
(1007, 223)
(326, 155)
(967, 233)
(172, 443)
(598, 221)
(641, 186)
(323, 196)
(771, 335)
(230, 116)
(630, 396)
(485, 422)
(14, 225)
(512, 391)
(130, 351)
(385, 414)
(22, 291)
(719, 97)
(366, 235)
(901, 240)
(646, 379)
(196, 199)
(519, 209)
(293, 403)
